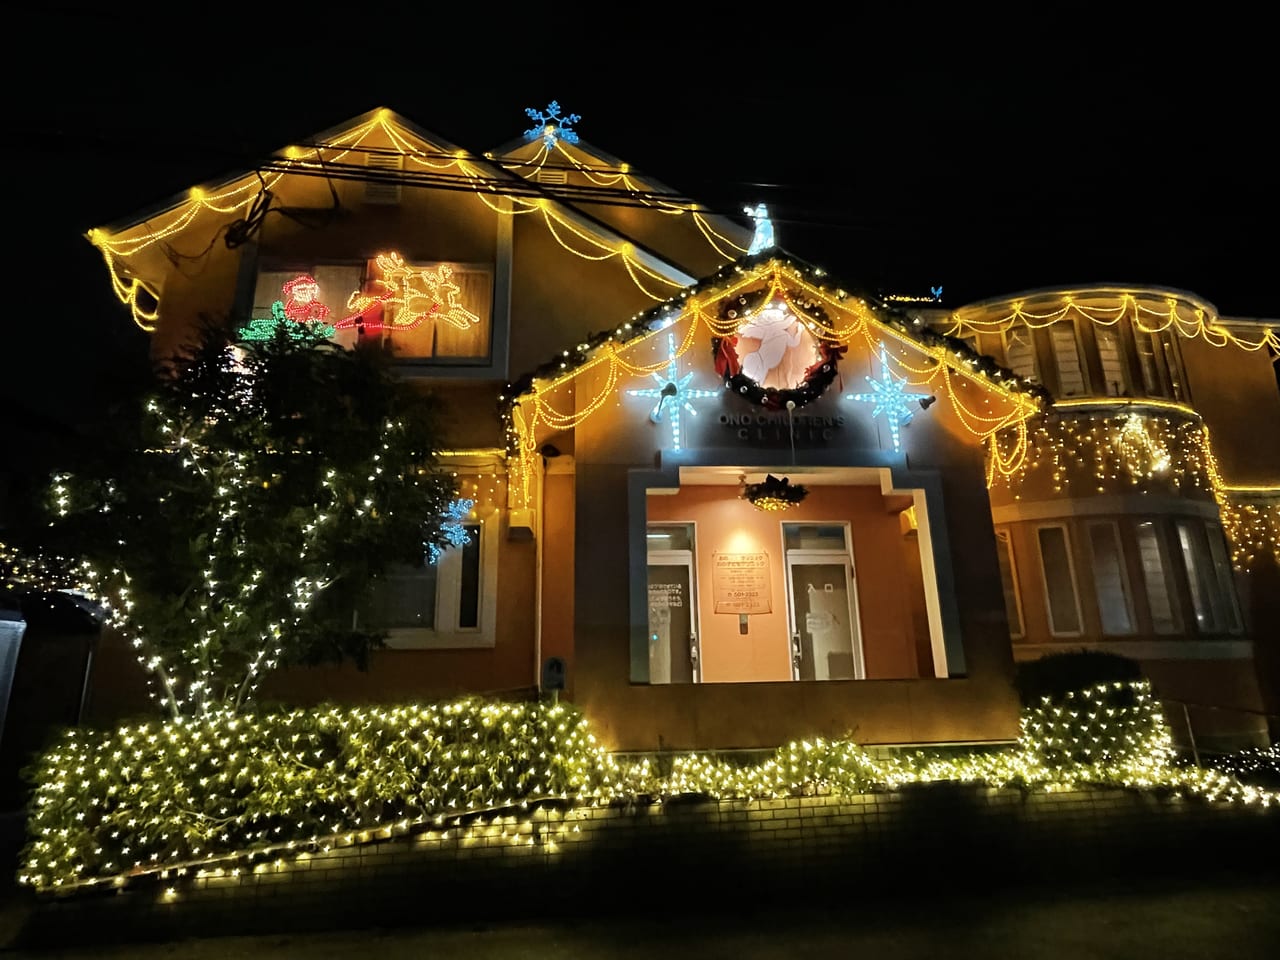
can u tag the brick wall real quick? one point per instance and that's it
(687, 854)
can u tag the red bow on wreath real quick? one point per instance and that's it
(727, 362)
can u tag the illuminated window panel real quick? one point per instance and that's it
(1115, 383)
(1146, 345)
(1109, 581)
(1062, 601)
(1066, 357)
(1155, 575)
(1009, 581)
(1209, 576)
(1020, 352)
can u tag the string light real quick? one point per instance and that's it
(215, 795)
(122, 249)
(1149, 311)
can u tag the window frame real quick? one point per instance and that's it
(1126, 589)
(1081, 363)
(1124, 387)
(1167, 575)
(492, 363)
(1075, 583)
(1031, 342)
(448, 599)
(1005, 536)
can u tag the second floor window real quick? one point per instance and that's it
(422, 311)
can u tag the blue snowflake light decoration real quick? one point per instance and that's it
(550, 126)
(451, 528)
(891, 398)
(673, 390)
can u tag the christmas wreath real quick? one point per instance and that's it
(816, 378)
(774, 493)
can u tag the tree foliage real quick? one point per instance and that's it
(239, 520)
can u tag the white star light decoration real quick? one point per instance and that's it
(452, 529)
(890, 396)
(674, 390)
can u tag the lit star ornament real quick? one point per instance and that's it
(550, 125)
(890, 396)
(673, 390)
(451, 528)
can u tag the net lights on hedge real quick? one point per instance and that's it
(673, 393)
(202, 796)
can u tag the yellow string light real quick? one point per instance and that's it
(116, 249)
(1183, 315)
(700, 318)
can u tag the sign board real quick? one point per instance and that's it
(553, 672)
(740, 583)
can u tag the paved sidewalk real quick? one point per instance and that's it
(1235, 918)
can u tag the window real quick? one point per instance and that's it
(1155, 575)
(1209, 575)
(422, 311)
(1115, 383)
(1146, 344)
(1009, 580)
(451, 603)
(1066, 356)
(1062, 600)
(1172, 365)
(1020, 352)
(1109, 579)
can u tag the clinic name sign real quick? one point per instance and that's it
(780, 428)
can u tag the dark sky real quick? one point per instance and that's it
(1032, 158)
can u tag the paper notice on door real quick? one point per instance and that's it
(740, 583)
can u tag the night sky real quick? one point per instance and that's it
(1042, 159)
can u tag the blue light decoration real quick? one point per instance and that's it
(890, 396)
(264, 328)
(550, 126)
(674, 389)
(762, 239)
(451, 528)
(937, 293)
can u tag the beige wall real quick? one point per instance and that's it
(1236, 393)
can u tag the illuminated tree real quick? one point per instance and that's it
(239, 521)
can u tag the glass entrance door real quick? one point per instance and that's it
(673, 618)
(826, 642)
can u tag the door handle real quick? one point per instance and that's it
(796, 654)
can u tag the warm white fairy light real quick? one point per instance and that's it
(211, 795)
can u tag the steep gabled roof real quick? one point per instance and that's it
(237, 194)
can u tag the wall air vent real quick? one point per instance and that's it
(383, 185)
(552, 176)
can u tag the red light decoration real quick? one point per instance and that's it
(302, 299)
(409, 296)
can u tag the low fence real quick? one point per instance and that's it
(684, 855)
